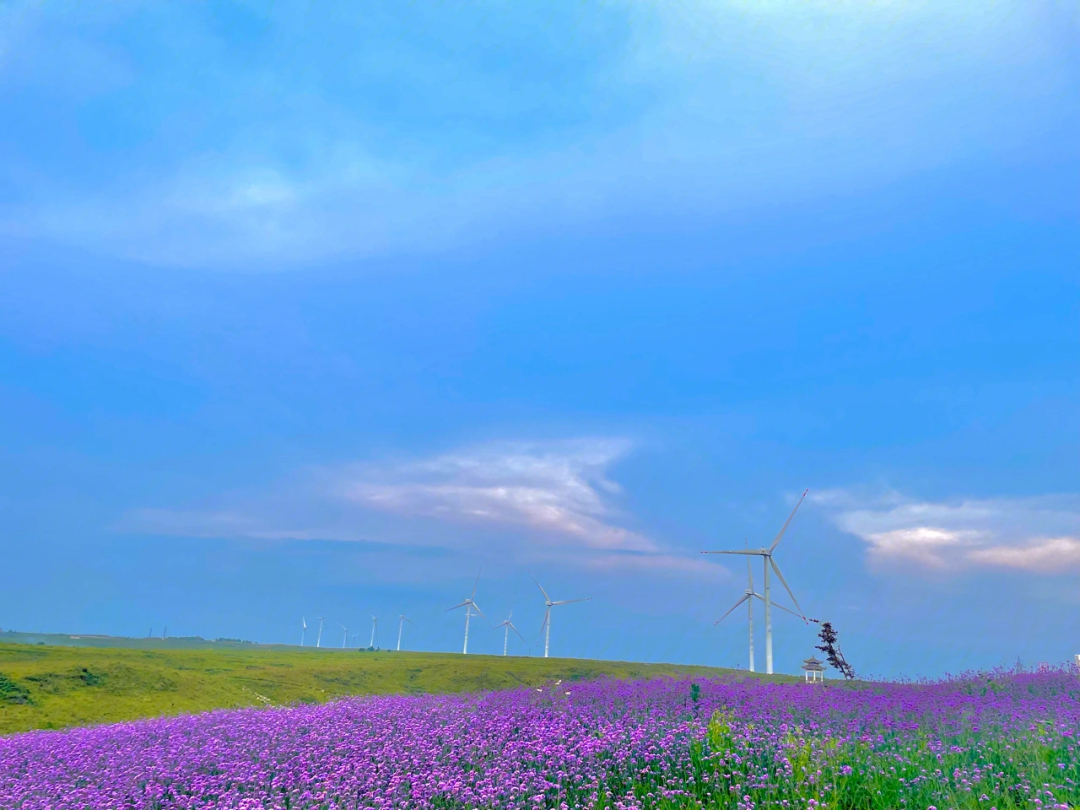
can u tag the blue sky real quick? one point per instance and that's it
(317, 311)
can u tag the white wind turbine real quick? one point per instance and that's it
(400, 624)
(547, 613)
(345, 638)
(318, 639)
(509, 625)
(767, 560)
(469, 605)
(374, 625)
(303, 632)
(748, 596)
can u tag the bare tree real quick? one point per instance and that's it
(832, 652)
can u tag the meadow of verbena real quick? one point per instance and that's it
(52, 687)
(1000, 740)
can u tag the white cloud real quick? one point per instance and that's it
(528, 501)
(1051, 556)
(557, 490)
(922, 544)
(1040, 534)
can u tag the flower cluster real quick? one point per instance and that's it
(994, 741)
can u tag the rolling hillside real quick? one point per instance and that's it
(51, 686)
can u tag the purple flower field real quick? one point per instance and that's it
(998, 740)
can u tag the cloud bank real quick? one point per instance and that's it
(552, 501)
(1039, 534)
(559, 491)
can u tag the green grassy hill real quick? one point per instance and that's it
(52, 686)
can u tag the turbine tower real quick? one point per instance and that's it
(374, 625)
(748, 596)
(547, 613)
(400, 624)
(303, 632)
(768, 562)
(318, 639)
(509, 625)
(345, 638)
(469, 606)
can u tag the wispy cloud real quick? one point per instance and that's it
(534, 501)
(560, 490)
(1040, 534)
(1053, 555)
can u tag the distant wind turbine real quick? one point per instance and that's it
(318, 639)
(303, 632)
(374, 627)
(400, 624)
(767, 561)
(748, 596)
(469, 606)
(509, 625)
(345, 638)
(547, 613)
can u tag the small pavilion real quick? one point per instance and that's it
(813, 670)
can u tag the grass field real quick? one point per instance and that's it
(49, 686)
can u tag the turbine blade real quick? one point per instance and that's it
(749, 573)
(780, 536)
(543, 624)
(570, 601)
(541, 587)
(781, 607)
(455, 607)
(776, 570)
(476, 607)
(749, 553)
(518, 634)
(476, 584)
(731, 609)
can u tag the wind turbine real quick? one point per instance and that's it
(374, 625)
(469, 605)
(303, 633)
(509, 625)
(748, 596)
(547, 613)
(345, 638)
(318, 639)
(767, 561)
(400, 624)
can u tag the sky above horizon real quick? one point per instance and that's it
(320, 310)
